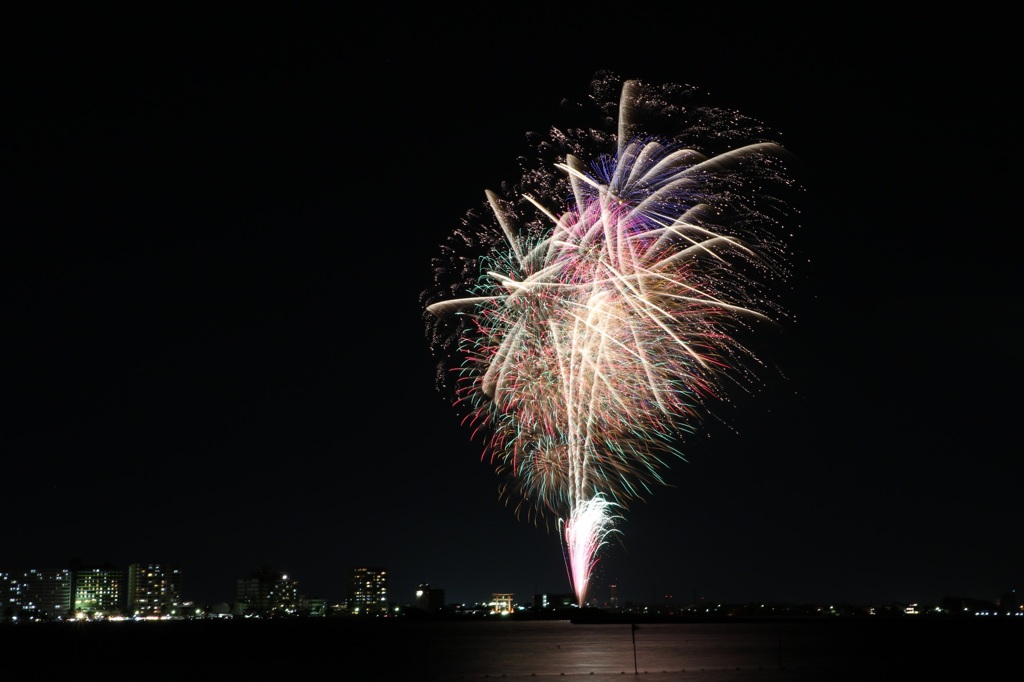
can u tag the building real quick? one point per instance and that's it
(269, 593)
(46, 594)
(428, 599)
(546, 601)
(10, 598)
(154, 590)
(368, 591)
(315, 606)
(97, 592)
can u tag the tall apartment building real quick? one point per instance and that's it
(368, 591)
(35, 595)
(154, 590)
(10, 597)
(46, 593)
(97, 592)
(268, 592)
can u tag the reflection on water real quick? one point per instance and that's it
(785, 649)
(398, 649)
(556, 648)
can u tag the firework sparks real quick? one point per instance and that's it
(598, 311)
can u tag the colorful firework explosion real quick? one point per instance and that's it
(585, 324)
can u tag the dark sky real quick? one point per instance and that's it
(216, 228)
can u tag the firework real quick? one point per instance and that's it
(586, 319)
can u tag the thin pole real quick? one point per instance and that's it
(634, 628)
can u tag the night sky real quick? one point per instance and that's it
(216, 230)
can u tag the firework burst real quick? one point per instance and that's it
(587, 317)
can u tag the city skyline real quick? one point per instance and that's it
(155, 591)
(219, 226)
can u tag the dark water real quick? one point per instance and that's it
(842, 649)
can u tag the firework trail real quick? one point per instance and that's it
(585, 322)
